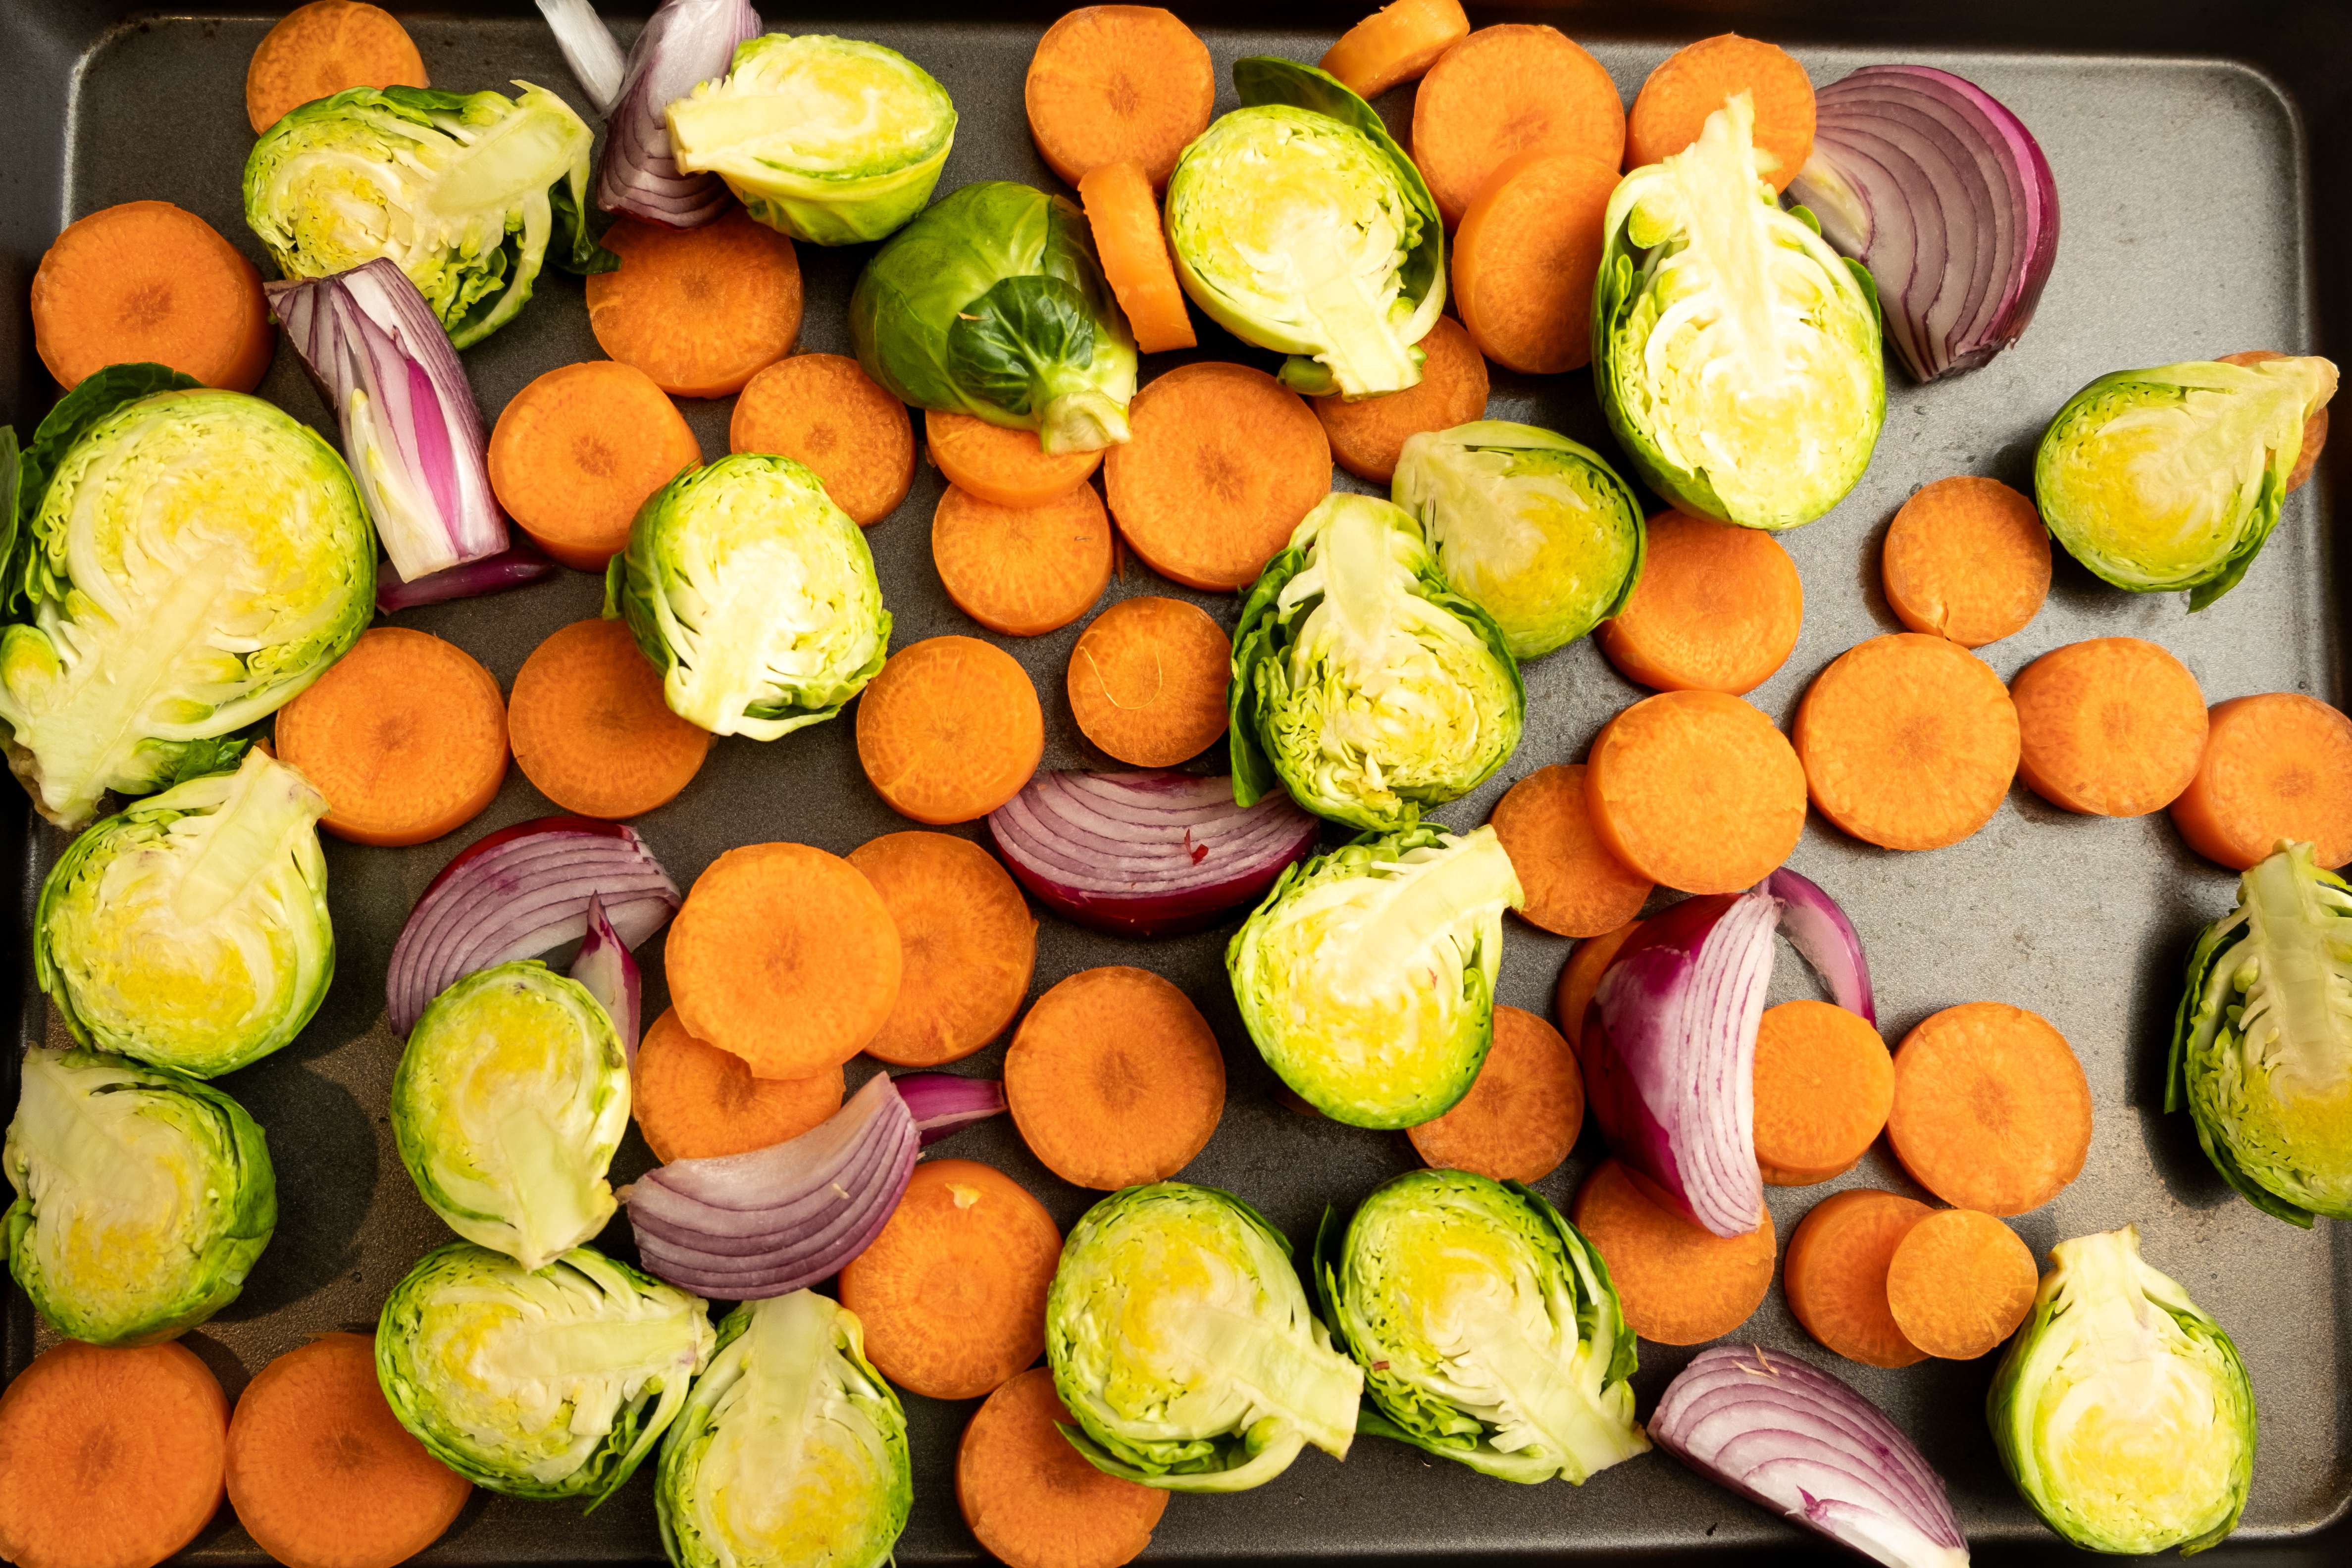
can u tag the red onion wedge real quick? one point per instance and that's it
(1147, 854)
(609, 970)
(511, 568)
(746, 1227)
(944, 1103)
(588, 48)
(685, 43)
(519, 891)
(1925, 179)
(1792, 1437)
(1671, 1066)
(1826, 939)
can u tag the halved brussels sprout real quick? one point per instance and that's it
(2173, 477)
(1361, 680)
(1736, 354)
(1537, 529)
(1299, 226)
(462, 191)
(194, 559)
(2121, 1410)
(2262, 1045)
(142, 1197)
(1486, 1325)
(507, 1104)
(192, 930)
(1367, 977)
(753, 594)
(791, 1449)
(832, 141)
(1182, 1342)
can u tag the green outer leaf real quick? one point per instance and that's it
(1005, 345)
(97, 395)
(11, 470)
(586, 257)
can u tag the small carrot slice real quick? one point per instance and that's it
(1148, 681)
(1835, 1275)
(1113, 84)
(1574, 886)
(2276, 767)
(1678, 1284)
(700, 310)
(318, 50)
(145, 282)
(951, 1292)
(1991, 1110)
(1222, 463)
(1696, 80)
(1966, 558)
(2114, 726)
(1824, 1084)
(1526, 256)
(1717, 608)
(1128, 239)
(1959, 1284)
(785, 955)
(950, 730)
(1581, 976)
(406, 735)
(1368, 435)
(1004, 467)
(2314, 429)
(1395, 44)
(576, 453)
(1505, 90)
(823, 410)
(591, 730)
(1023, 570)
(1696, 790)
(109, 1458)
(694, 1102)
(1115, 1078)
(1032, 1500)
(1909, 742)
(322, 1474)
(969, 942)
(1523, 1112)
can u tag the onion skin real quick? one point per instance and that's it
(514, 566)
(1826, 939)
(609, 970)
(945, 1103)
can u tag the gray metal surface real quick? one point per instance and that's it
(2187, 233)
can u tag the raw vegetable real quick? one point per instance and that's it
(1031, 1501)
(1696, 790)
(943, 1103)
(2277, 768)
(695, 1102)
(1824, 1084)
(1835, 1276)
(1395, 44)
(1587, 962)
(684, 44)
(1823, 936)
(1027, 570)
(588, 48)
(143, 1197)
(1115, 1078)
(700, 310)
(1521, 1115)
(2314, 429)
(146, 282)
(1123, 216)
(950, 730)
(1574, 886)
(1182, 1343)
(1909, 742)
(970, 944)
(513, 567)
(821, 409)
(1505, 90)
(1966, 558)
(1367, 977)
(591, 730)
(1117, 82)
(2114, 726)
(1002, 465)
(1148, 681)
(606, 967)
(1671, 110)
(317, 50)
(1991, 1110)
(1526, 256)
(1716, 608)
(1959, 1284)
(1368, 435)
(575, 454)
(1675, 1284)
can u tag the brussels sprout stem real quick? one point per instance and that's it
(1079, 419)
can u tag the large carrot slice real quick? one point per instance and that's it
(950, 730)
(591, 730)
(322, 1474)
(1023, 570)
(2114, 726)
(1696, 790)
(1148, 681)
(1114, 1078)
(1581, 976)
(785, 955)
(1678, 1284)
(1526, 256)
(2314, 429)
(822, 410)
(969, 942)
(1004, 467)
(1032, 1500)
(1222, 463)
(109, 1458)
(1835, 1276)
(1575, 887)
(952, 1293)
(2277, 766)
(1909, 741)
(1959, 1284)
(1991, 1110)
(317, 50)
(693, 1101)
(700, 310)
(1504, 90)
(1694, 81)
(576, 453)
(1368, 435)
(1395, 44)
(1825, 1083)
(147, 283)
(1717, 608)
(1966, 558)
(1125, 218)
(1523, 1112)
(406, 735)
(1114, 84)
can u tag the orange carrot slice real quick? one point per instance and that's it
(1835, 1276)
(2276, 767)
(1032, 1500)
(1824, 1084)
(1966, 558)
(1023, 570)
(1004, 467)
(318, 50)
(694, 1102)
(1505, 90)
(1115, 1078)
(968, 941)
(1575, 887)
(700, 310)
(576, 453)
(1581, 976)
(591, 730)
(1148, 681)
(1959, 1284)
(1523, 1112)
(1125, 219)
(1909, 742)
(1395, 44)
(1117, 83)
(1694, 81)
(1696, 790)
(2114, 726)
(950, 730)
(1678, 1284)
(822, 410)
(1717, 608)
(147, 283)
(1991, 1110)
(1368, 435)
(1526, 256)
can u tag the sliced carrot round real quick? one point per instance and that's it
(1002, 466)
(1395, 44)
(2314, 429)
(144, 283)
(576, 453)
(1696, 790)
(1717, 608)
(318, 50)
(1676, 1284)
(700, 310)
(1526, 256)
(1125, 219)
(1825, 1083)
(1694, 81)
(1835, 1276)
(2114, 726)
(1148, 680)
(1023, 570)
(1959, 1284)
(1117, 83)
(1032, 1500)
(1505, 90)
(1574, 886)
(950, 730)
(1966, 558)
(1991, 1110)
(1523, 1110)
(694, 1102)
(1115, 1078)
(1581, 976)
(1222, 463)
(2277, 768)
(591, 730)
(968, 940)
(822, 410)
(1368, 435)
(1909, 742)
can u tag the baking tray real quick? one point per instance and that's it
(2202, 164)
